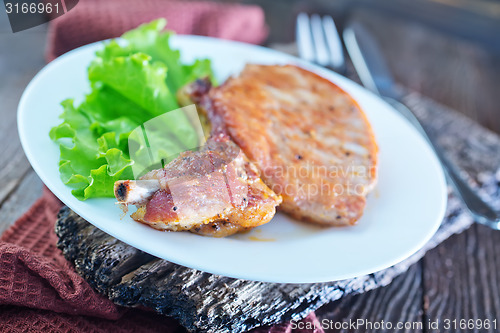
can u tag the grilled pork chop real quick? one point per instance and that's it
(301, 137)
(310, 141)
(213, 192)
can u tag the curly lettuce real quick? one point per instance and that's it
(132, 81)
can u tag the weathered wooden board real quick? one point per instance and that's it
(200, 301)
(20, 199)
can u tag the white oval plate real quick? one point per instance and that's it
(401, 215)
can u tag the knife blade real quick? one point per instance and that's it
(368, 61)
(372, 69)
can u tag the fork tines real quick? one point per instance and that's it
(318, 41)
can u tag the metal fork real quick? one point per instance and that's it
(318, 41)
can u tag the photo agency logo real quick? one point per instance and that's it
(191, 164)
(161, 139)
(26, 14)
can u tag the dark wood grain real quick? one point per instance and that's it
(462, 279)
(21, 57)
(23, 196)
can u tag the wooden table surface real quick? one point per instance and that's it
(460, 279)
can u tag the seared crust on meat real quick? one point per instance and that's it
(213, 192)
(310, 141)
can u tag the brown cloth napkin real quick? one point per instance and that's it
(39, 289)
(94, 20)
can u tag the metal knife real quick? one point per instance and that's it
(375, 75)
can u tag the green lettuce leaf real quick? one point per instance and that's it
(133, 80)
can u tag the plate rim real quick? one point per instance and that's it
(309, 66)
